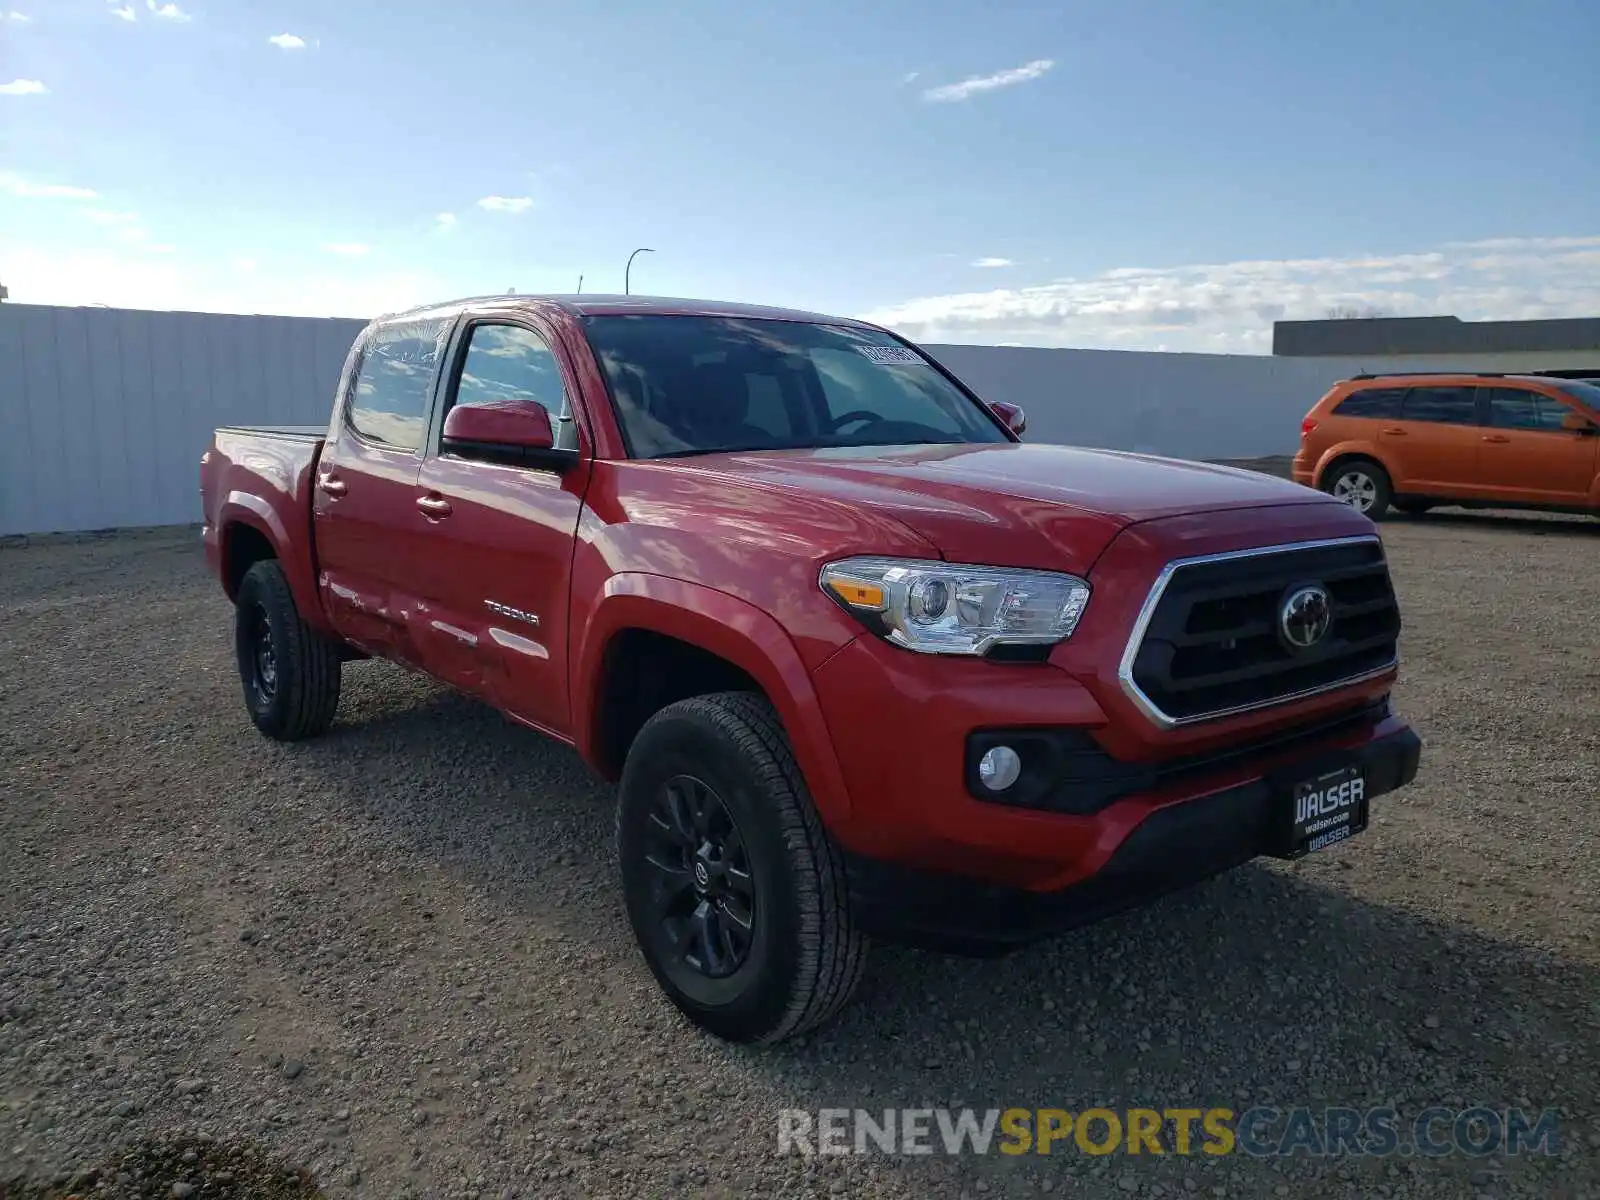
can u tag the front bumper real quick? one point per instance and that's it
(1175, 846)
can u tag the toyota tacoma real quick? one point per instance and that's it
(864, 663)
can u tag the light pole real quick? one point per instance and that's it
(627, 271)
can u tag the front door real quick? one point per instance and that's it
(499, 541)
(1527, 458)
(363, 499)
(1433, 449)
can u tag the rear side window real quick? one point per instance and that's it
(1518, 408)
(1442, 405)
(394, 381)
(1383, 403)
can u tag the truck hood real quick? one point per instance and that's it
(1012, 504)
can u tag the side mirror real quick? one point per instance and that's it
(1578, 423)
(1015, 419)
(505, 431)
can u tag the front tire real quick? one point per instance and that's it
(290, 672)
(1363, 485)
(734, 890)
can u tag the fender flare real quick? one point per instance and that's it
(730, 628)
(244, 508)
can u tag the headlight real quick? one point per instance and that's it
(945, 608)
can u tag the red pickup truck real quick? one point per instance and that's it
(864, 663)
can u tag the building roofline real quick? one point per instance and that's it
(1432, 335)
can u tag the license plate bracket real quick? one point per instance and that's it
(1318, 809)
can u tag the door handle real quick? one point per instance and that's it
(1394, 431)
(1496, 437)
(434, 507)
(332, 484)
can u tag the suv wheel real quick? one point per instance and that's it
(1362, 484)
(735, 893)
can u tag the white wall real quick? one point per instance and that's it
(1182, 405)
(104, 412)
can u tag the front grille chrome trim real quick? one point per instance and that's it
(1158, 589)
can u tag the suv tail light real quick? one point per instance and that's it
(1307, 426)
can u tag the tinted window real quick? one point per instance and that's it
(1372, 402)
(1446, 405)
(696, 385)
(1518, 408)
(1585, 391)
(509, 363)
(394, 381)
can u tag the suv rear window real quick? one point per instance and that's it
(1383, 403)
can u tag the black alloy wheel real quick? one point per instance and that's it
(703, 896)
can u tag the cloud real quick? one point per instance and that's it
(976, 84)
(1230, 306)
(506, 204)
(126, 13)
(23, 87)
(348, 249)
(167, 12)
(910, 77)
(106, 216)
(444, 222)
(288, 41)
(15, 18)
(16, 185)
(70, 272)
(992, 262)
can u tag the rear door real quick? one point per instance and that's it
(364, 498)
(497, 550)
(1433, 449)
(1527, 457)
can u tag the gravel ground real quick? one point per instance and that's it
(395, 959)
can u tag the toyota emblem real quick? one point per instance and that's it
(1305, 617)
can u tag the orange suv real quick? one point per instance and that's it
(1481, 441)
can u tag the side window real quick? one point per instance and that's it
(1518, 408)
(508, 362)
(1380, 403)
(1442, 405)
(394, 380)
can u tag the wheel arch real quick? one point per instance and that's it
(703, 640)
(1337, 456)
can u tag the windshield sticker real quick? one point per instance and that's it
(892, 356)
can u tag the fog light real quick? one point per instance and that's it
(999, 768)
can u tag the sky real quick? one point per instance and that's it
(1134, 175)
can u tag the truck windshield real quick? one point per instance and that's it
(686, 385)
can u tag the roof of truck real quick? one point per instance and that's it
(587, 305)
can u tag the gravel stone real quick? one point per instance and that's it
(436, 930)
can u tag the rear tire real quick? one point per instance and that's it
(735, 892)
(1362, 484)
(290, 672)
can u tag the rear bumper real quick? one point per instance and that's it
(1175, 846)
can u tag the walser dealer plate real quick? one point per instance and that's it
(1323, 811)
